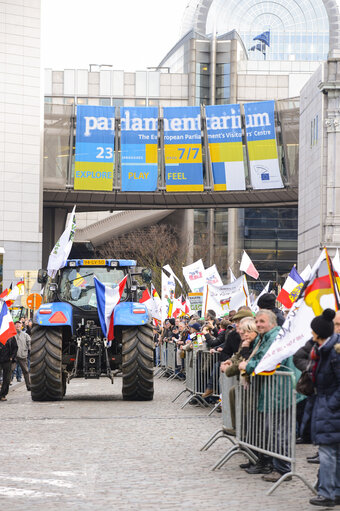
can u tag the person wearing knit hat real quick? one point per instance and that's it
(325, 413)
(268, 301)
(195, 326)
(323, 326)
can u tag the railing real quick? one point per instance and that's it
(258, 413)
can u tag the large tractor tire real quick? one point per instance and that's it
(137, 363)
(47, 382)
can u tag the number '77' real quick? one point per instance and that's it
(193, 149)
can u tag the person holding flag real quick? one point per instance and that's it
(8, 348)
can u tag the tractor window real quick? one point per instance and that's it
(77, 285)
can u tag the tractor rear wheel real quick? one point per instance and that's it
(137, 363)
(46, 364)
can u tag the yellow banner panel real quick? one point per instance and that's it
(184, 188)
(150, 153)
(226, 151)
(262, 150)
(93, 176)
(220, 187)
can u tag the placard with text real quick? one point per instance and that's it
(183, 149)
(95, 148)
(224, 132)
(139, 128)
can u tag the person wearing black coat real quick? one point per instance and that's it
(301, 360)
(7, 355)
(325, 415)
(268, 301)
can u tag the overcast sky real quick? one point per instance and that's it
(128, 34)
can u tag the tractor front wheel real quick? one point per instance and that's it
(47, 382)
(137, 363)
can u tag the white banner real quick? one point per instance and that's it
(223, 299)
(168, 293)
(194, 274)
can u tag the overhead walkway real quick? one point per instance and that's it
(117, 200)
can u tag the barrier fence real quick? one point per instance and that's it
(258, 413)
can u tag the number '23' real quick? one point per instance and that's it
(105, 152)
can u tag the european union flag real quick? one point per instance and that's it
(264, 37)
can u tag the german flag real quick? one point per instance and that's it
(325, 282)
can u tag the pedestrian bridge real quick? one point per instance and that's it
(58, 180)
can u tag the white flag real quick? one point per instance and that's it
(168, 293)
(62, 248)
(305, 274)
(248, 267)
(168, 268)
(212, 276)
(232, 276)
(194, 274)
(255, 307)
(336, 262)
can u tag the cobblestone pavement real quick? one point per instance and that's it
(94, 451)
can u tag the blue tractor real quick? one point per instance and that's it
(68, 342)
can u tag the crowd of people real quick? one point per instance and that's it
(242, 338)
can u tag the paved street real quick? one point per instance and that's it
(94, 451)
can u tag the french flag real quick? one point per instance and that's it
(291, 289)
(107, 299)
(7, 328)
(248, 267)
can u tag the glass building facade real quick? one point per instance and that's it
(298, 30)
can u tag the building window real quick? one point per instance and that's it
(314, 131)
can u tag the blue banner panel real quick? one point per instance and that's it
(182, 149)
(95, 148)
(139, 127)
(225, 146)
(261, 145)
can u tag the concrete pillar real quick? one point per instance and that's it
(233, 240)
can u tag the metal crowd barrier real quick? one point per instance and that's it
(168, 363)
(163, 358)
(200, 367)
(226, 385)
(266, 421)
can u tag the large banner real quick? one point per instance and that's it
(182, 149)
(225, 146)
(95, 148)
(261, 143)
(139, 148)
(223, 299)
